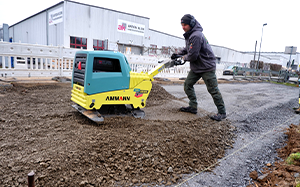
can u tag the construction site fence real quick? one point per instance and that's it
(22, 60)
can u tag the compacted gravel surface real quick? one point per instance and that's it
(260, 112)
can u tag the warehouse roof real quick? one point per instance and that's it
(36, 14)
(166, 34)
(77, 3)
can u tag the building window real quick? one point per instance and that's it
(79, 43)
(100, 44)
(153, 49)
(165, 50)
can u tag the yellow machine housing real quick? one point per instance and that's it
(104, 85)
(137, 94)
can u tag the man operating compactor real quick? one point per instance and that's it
(202, 64)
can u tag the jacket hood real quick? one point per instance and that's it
(197, 27)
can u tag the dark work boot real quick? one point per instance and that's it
(189, 109)
(218, 117)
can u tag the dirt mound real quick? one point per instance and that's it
(41, 132)
(158, 95)
(282, 173)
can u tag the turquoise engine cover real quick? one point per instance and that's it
(104, 71)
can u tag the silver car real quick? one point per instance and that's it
(229, 71)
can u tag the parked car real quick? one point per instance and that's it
(229, 71)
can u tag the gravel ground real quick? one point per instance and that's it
(41, 132)
(260, 112)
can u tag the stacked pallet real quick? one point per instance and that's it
(260, 65)
(275, 67)
(264, 66)
(253, 64)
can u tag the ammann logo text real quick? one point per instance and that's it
(117, 98)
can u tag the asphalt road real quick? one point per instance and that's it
(260, 112)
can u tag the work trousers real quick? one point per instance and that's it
(211, 83)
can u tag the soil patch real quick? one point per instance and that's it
(282, 173)
(41, 132)
(158, 96)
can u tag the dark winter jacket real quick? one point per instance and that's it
(198, 51)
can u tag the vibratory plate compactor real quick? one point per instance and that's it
(104, 85)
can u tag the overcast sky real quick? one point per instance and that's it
(236, 24)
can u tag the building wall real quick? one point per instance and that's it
(98, 23)
(55, 32)
(31, 31)
(91, 22)
(229, 55)
(36, 29)
(162, 39)
(4, 36)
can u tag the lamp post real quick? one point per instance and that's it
(260, 43)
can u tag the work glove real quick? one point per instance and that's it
(175, 56)
(177, 62)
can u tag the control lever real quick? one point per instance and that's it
(172, 63)
(178, 62)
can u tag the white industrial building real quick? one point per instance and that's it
(76, 25)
